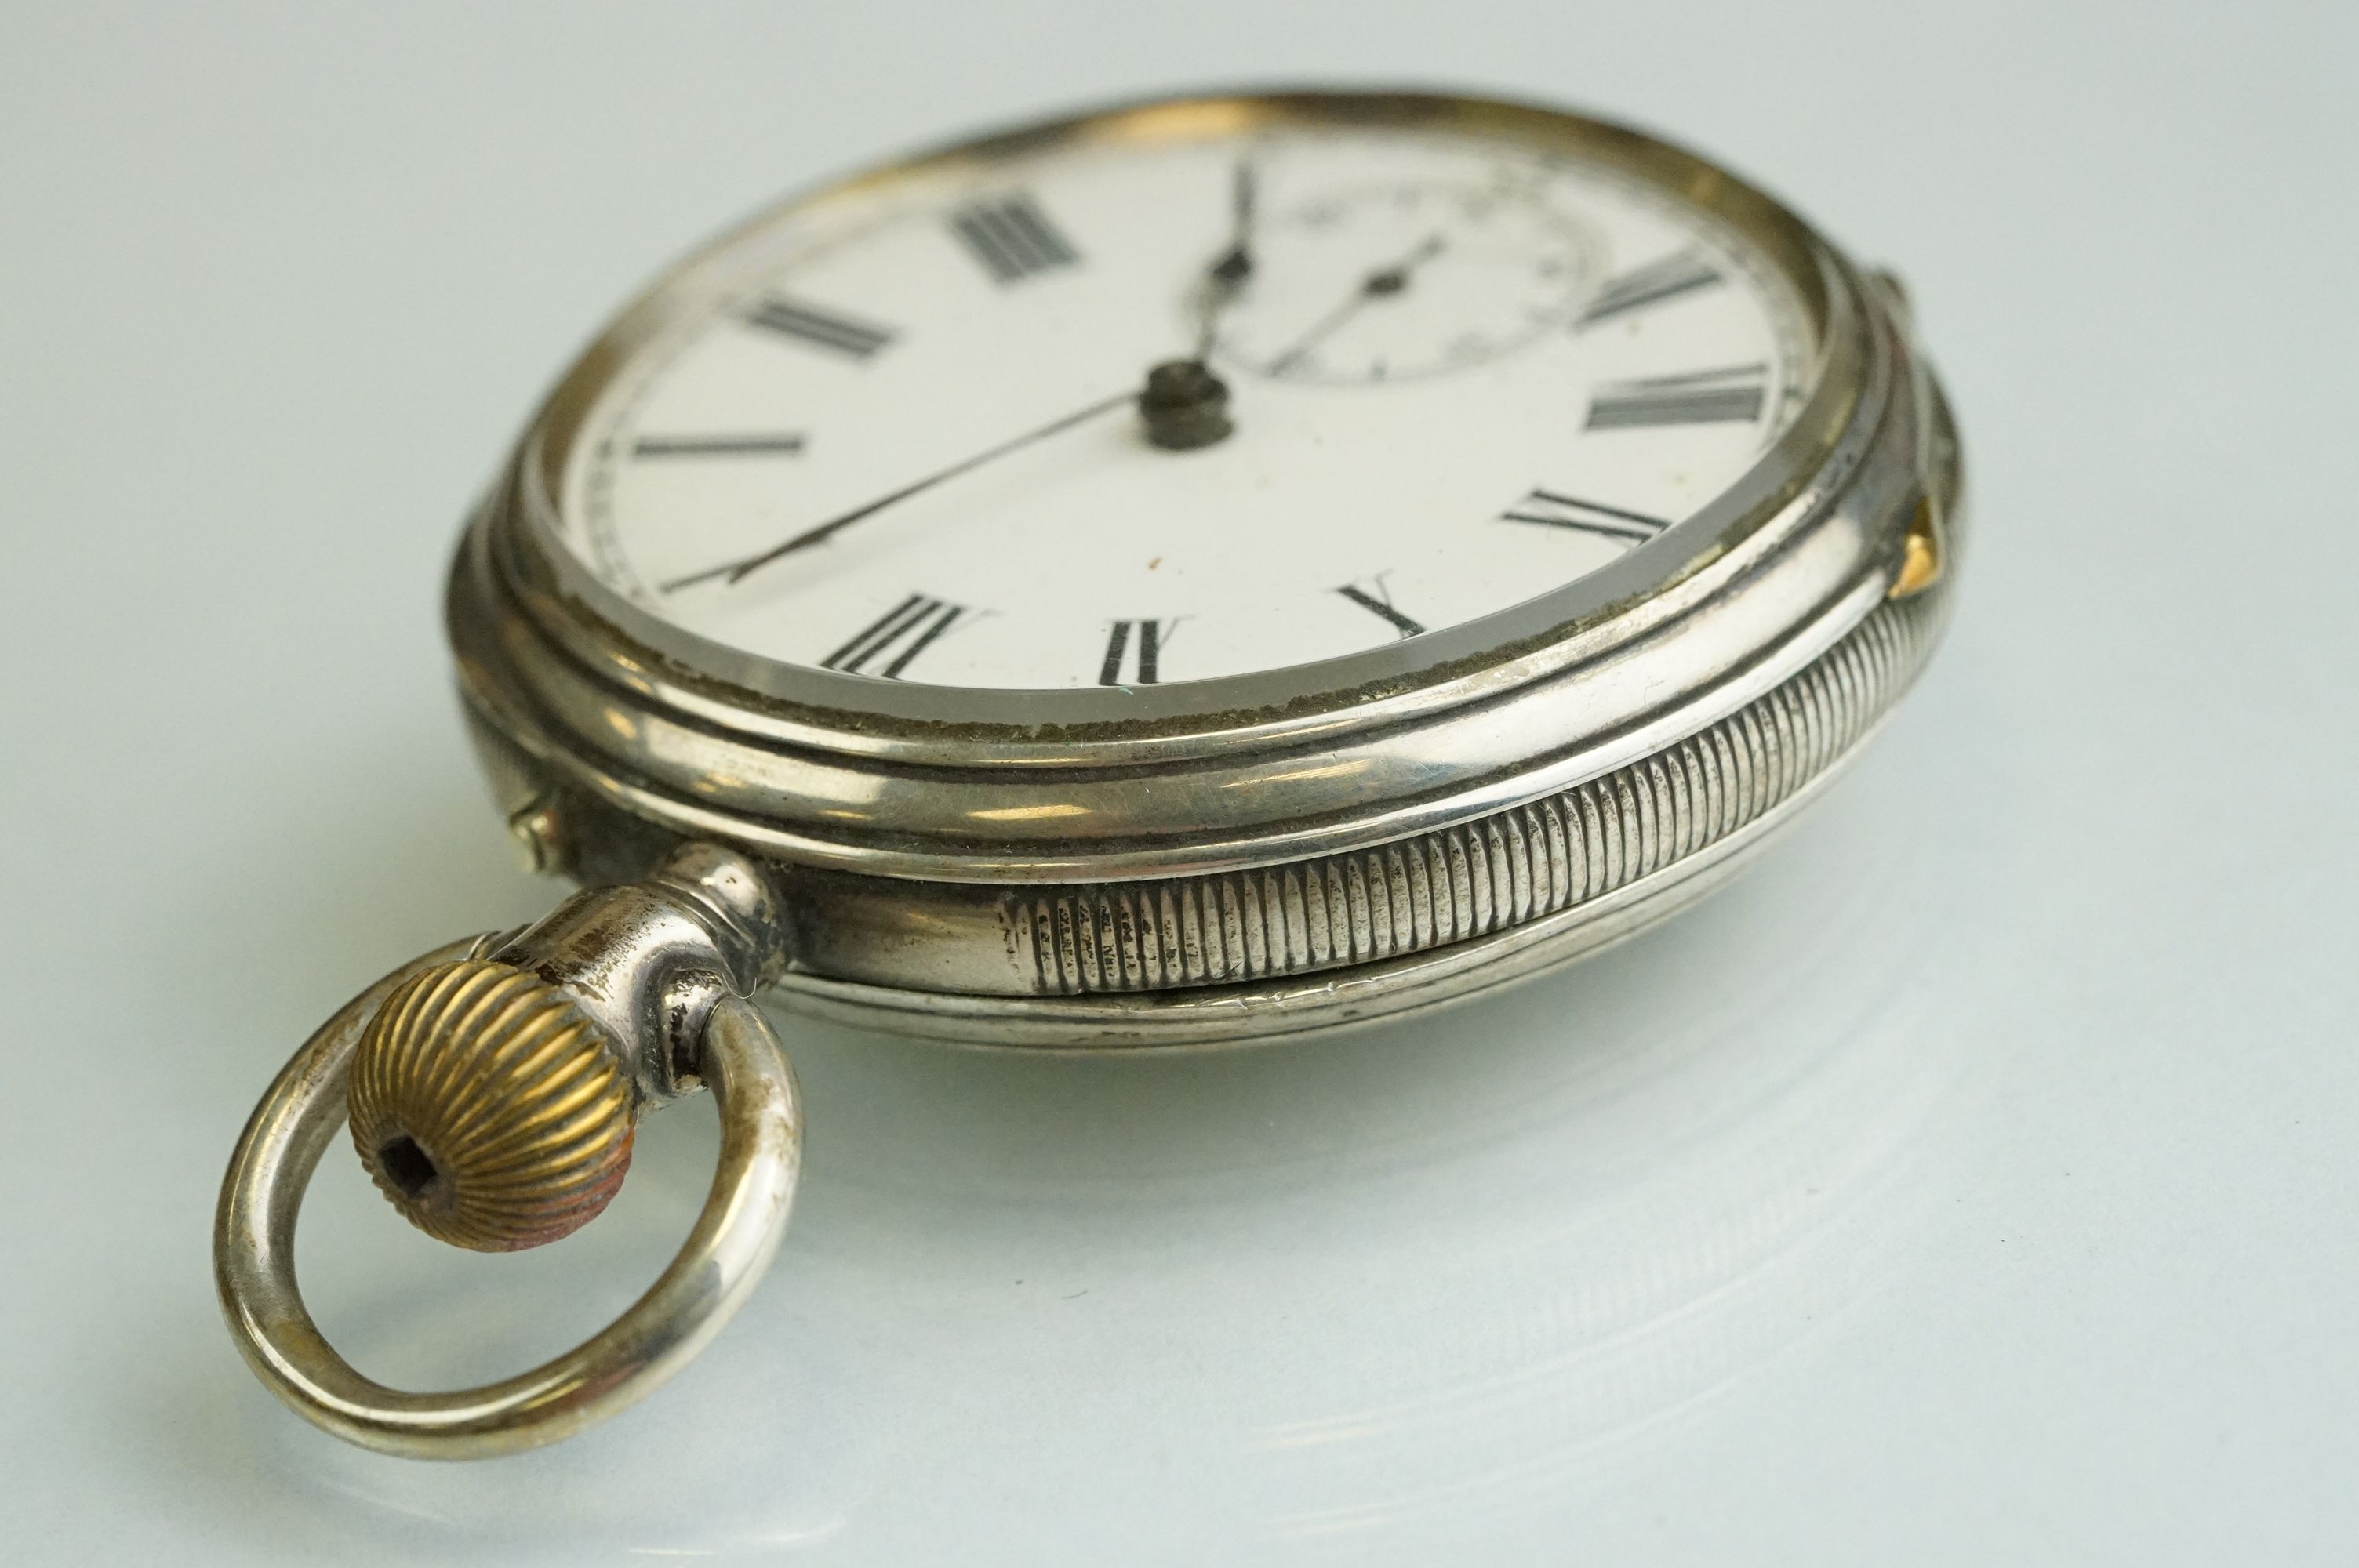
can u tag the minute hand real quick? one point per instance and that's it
(1226, 275)
(737, 571)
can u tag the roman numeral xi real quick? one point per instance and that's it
(897, 637)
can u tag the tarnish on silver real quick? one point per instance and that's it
(647, 960)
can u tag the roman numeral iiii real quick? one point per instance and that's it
(897, 637)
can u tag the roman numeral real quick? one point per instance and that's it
(1377, 599)
(1682, 272)
(748, 445)
(821, 329)
(900, 634)
(1012, 238)
(1149, 637)
(1550, 510)
(1700, 397)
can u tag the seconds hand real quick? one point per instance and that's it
(1385, 280)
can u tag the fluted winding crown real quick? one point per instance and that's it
(488, 1109)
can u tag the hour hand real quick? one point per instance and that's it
(1236, 263)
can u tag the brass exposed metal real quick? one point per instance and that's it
(1920, 557)
(488, 1109)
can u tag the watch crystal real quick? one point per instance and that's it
(1402, 378)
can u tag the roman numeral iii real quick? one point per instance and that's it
(897, 637)
(1136, 645)
(1550, 510)
(1012, 238)
(819, 328)
(1682, 272)
(1377, 600)
(1700, 397)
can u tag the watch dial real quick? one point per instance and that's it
(1117, 411)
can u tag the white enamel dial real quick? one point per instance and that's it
(903, 438)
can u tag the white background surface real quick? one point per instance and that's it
(1972, 1183)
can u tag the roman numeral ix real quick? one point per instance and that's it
(1137, 645)
(820, 329)
(747, 446)
(1012, 238)
(1550, 510)
(1377, 600)
(898, 635)
(1682, 272)
(1700, 397)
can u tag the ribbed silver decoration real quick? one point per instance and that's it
(1490, 874)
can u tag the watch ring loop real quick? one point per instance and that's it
(729, 1246)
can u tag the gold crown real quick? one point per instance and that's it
(488, 1108)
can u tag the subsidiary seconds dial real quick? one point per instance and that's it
(1128, 413)
(1395, 281)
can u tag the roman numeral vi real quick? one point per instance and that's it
(1137, 645)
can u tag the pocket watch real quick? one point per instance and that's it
(1202, 571)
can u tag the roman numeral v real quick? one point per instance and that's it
(1377, 600)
